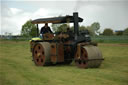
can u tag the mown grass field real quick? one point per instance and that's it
(17, 67)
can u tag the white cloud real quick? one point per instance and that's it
(46, 12)
(41, 0)
(41, 12)
(109, 15)
(113, 15)
(0, 18)
(15, 10)
(14, 18)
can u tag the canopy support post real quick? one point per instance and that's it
(37, 34)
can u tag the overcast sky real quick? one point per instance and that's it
(109, 13)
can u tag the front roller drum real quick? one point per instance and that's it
(41, 54)
(91, 57)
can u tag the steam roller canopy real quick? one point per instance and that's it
(41, 54)
(91, 57)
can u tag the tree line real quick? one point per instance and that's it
(30, 30)
(110, 32)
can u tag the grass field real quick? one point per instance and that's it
(17, 68)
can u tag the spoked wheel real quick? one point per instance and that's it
(90, 57)
(40, 54)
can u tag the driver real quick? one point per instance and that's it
(45, 29)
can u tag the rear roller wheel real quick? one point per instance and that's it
(90, 57)
(41, 53)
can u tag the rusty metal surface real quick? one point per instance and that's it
(60, 48)
(41, 53)
(48, 36)
(90, 57)
(32, 45)
(53, 52)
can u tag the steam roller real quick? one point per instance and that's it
(65, 47)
